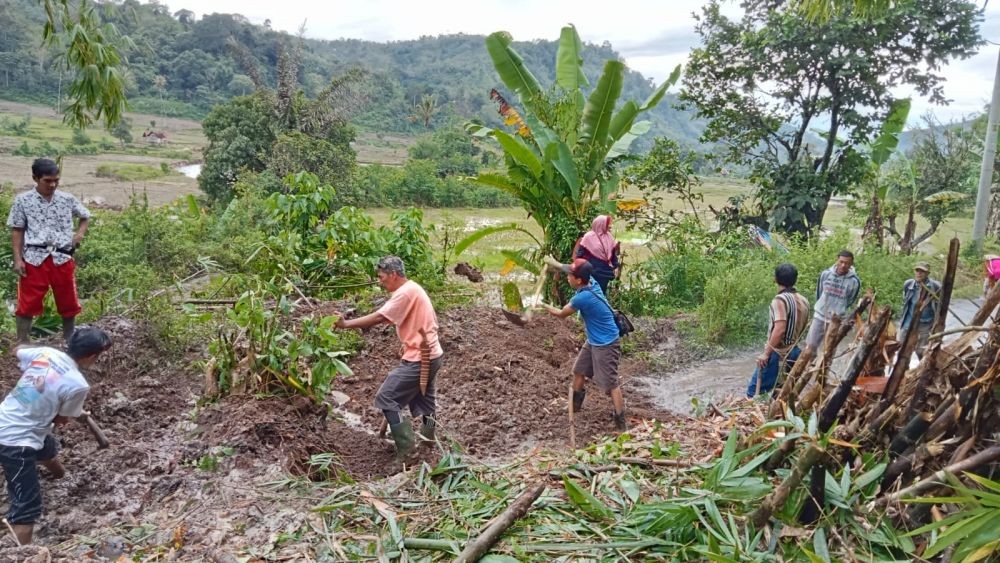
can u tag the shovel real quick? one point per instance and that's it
(525, 318)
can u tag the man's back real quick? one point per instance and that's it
(50, 385)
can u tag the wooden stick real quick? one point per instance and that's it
(572, 422)
(517, 509)
(984, 457)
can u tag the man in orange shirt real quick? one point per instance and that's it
(410, 310)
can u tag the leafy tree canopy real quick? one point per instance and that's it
(792, 98)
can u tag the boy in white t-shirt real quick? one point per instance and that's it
(50, 392)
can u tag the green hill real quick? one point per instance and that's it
(182, 67)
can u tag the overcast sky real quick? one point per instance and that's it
(652, 35)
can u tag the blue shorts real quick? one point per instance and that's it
(20, 468)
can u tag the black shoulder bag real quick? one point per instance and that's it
(623, 323)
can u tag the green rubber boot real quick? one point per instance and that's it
(578, 397)
(402, 434)
(427, 429)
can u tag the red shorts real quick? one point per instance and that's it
(31, 289)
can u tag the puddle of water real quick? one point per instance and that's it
(706, 382)
(190, 170)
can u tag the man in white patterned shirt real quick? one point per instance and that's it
(43, 241)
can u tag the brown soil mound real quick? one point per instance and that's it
(502, 388)
(138, 401)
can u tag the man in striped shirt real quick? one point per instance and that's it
(789, 314)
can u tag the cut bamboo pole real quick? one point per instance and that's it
(831, 408)
(777, 498)
(903, 358)
(947, 285)
(517, 509)
(777, 407)
(980, 459)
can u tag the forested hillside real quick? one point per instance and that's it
(182, 66)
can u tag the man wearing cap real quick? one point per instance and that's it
(911, 296)
(599, 357)
(50, 392)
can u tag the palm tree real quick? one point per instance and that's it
(425, 109)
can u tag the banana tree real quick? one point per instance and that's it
(881, 150)
(561, 158)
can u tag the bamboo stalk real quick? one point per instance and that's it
(903, 358)
(777, 406)
(831, 408)
(984, 457)
(947, 285)
(478, 547)
(812, 509)
(777, 498)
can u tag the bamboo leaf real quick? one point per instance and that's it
(631, 489)
(494, 558)
(869, 477)
(585, 501)
(983, 552)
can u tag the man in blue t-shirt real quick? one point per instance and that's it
(599, 357)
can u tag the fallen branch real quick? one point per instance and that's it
(478, 547)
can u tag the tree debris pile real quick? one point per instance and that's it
(929, 424)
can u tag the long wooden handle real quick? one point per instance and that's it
(102, 439)
(537, 292)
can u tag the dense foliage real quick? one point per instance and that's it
(767, 79)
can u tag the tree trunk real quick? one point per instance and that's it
(873, 225)
(993, 217)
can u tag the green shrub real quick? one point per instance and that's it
(80, 138)
(130, 172)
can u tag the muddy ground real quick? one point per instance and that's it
(197, 482)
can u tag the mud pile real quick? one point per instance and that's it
(502, 390)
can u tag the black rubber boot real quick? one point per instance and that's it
(402, 434)
(427, 429)
(578, 399)
(69, 325)
(23, 325)
(619, 418)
